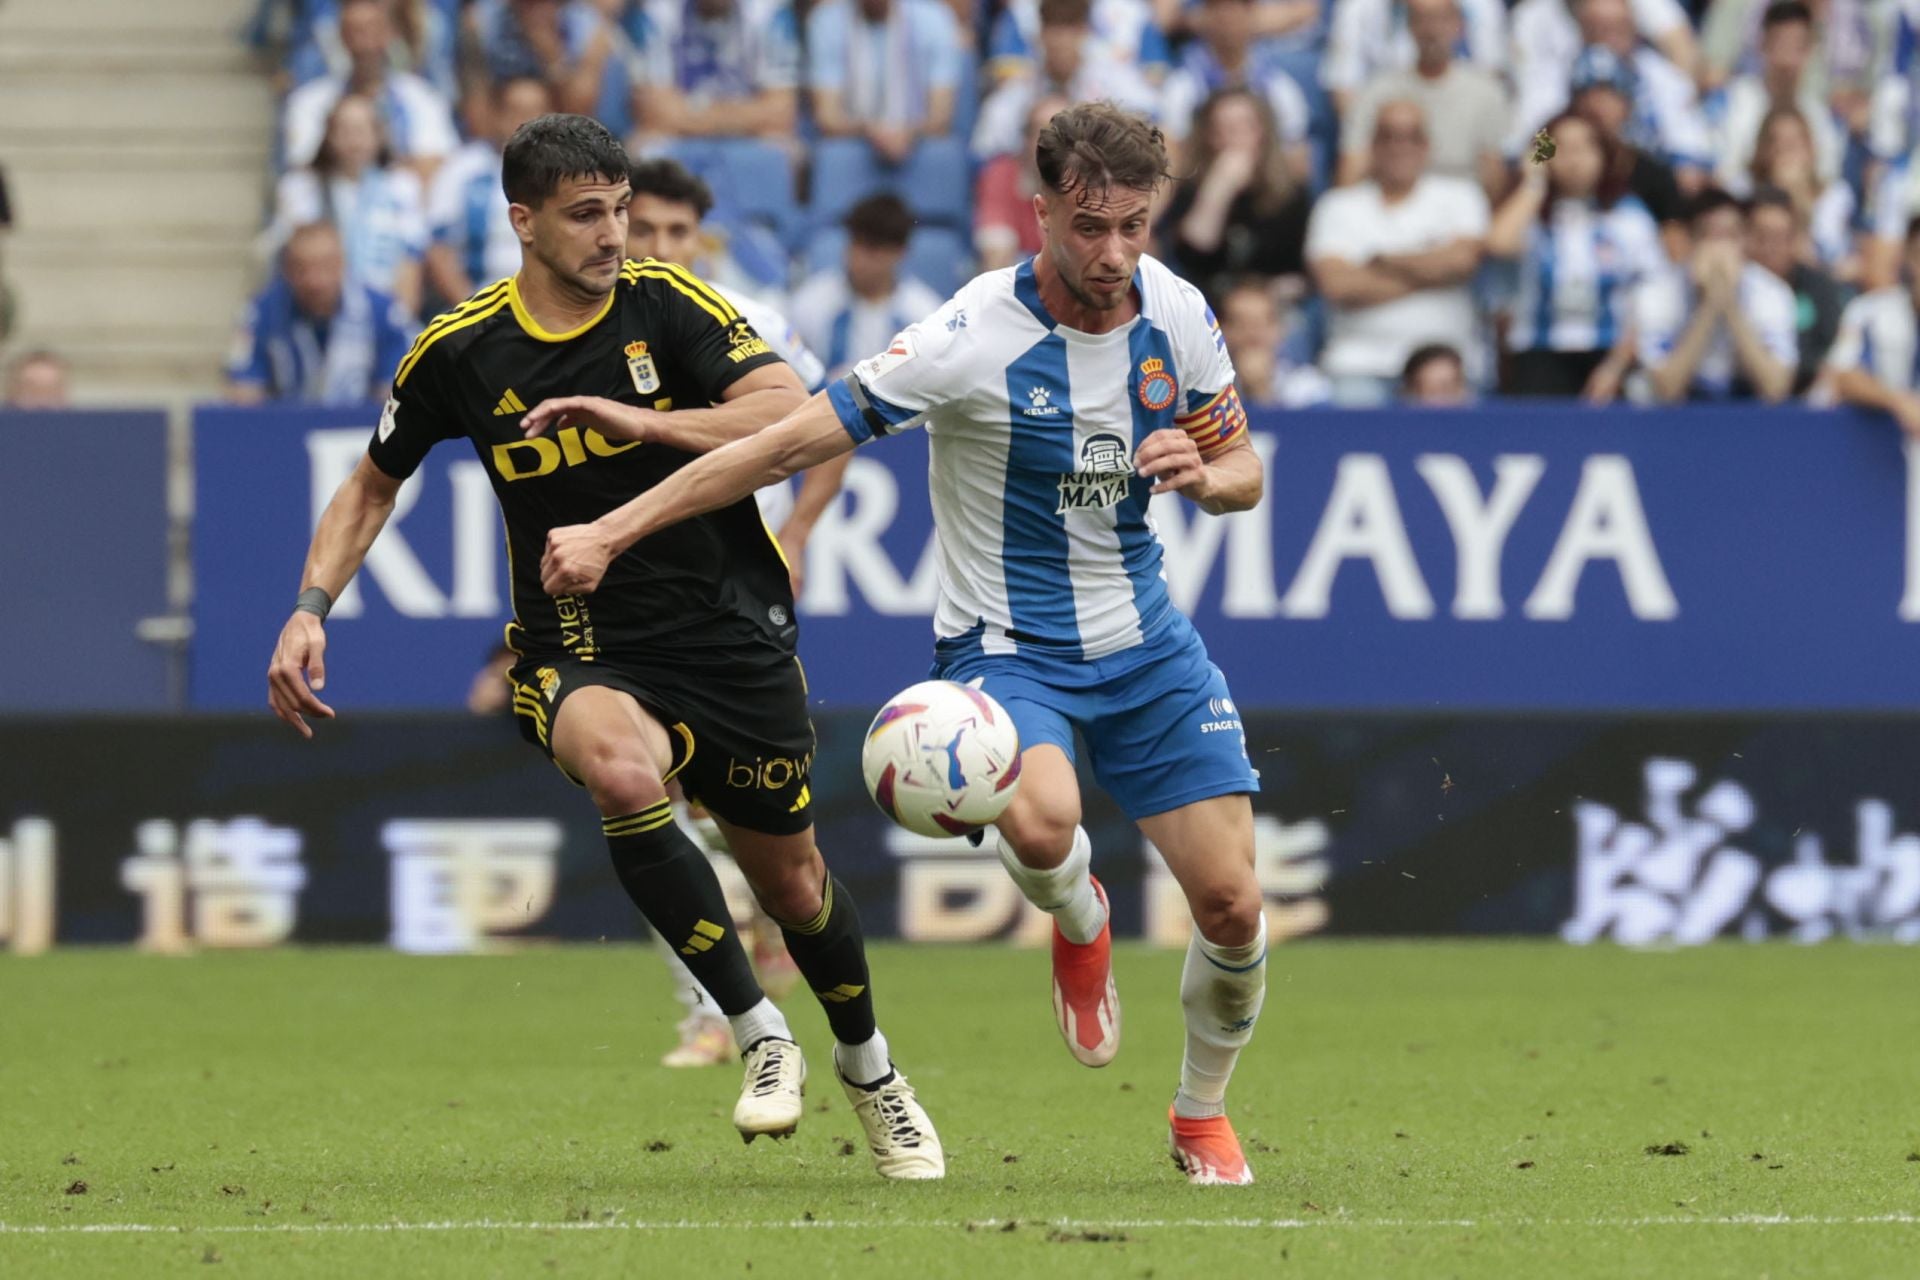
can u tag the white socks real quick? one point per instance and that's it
(1221, 989)
(686, 988)
(762, 1021)
(1066, 891)
(863, 1063)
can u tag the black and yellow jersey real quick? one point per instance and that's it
(710, 591)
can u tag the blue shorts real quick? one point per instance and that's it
(1160, 727)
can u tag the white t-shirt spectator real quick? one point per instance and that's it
(1578, 276)
(1663, 305)
(1467, 114)
(1356, 225)
(1546, 40)
(381, 218)
(467, 211)
(1878, 334)
(842, 329)
(883, 71)
(1744, 104)
(1002, 126)
(1368, 37)
(418, 121)
(1200, 74)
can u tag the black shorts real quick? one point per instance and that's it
(741, 737)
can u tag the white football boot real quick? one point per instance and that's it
(771, 1096)
(899, 1133)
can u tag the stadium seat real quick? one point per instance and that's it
(751, 180)
(844, 174)
(936, 182)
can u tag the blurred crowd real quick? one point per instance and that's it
(1384, 200)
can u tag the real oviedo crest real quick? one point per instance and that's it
(1156, 384)
(646, 378)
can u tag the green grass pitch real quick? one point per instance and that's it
(1411, 1109)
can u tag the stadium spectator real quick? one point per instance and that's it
(36, 380)
(1226, 56)
(1243, 211)
(1393, 257)
(1070, 65)
(1783, 159)
(312, 335)
(1547, 38)
(1368, 38)
(425, 40)
(569, 45)
(418, 117)
(1776, 240)
(1120, 33)
(1435, 377)
(716, 68)
(1005, 226)
(1786, 46)
(1468, 98)
(1254, 326)
(850, 312)
(1664, 115)
(378, 209)
(473, 240)
(1840, 71)
(883, 70)
(1720, 326)
(1583, 244)
(1875, 361)
(1609, 105)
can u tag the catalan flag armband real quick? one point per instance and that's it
(1215, 425)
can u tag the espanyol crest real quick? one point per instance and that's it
(646, 378)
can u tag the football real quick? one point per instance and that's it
(942, 759)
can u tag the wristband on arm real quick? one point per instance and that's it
(316, 601)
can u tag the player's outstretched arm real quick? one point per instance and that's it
(577, 556)
(349, 525)
(755, 399)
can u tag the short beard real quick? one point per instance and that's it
(1082, 297)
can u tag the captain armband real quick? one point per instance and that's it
(1215, 425)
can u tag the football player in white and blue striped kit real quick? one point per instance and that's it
(1875, 360)
(1060, 395)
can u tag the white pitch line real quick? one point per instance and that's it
(987, 1224)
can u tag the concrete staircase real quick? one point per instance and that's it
(135, 135)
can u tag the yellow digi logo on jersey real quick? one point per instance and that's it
(646, 378)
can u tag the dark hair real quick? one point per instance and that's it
(324, 160)
(1066, 13)
(1096, 145)
(667, 179)
(1784, 12)
(880, 222)
(1422, 356)
(1705, 201)
(1613, 187)
(1772, 198)
(547, 151)
(1913, 230)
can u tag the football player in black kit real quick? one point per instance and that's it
(681, 664)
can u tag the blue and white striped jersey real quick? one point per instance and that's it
(1879, 335)
(1042, 528)
(1578, 274)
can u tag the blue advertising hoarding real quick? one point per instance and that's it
(1500, 558)
(83, 518)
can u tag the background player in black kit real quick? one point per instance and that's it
(681, 664)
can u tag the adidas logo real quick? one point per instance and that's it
(509, 403)
(705, 934)
(806, 797)
(841, 994)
